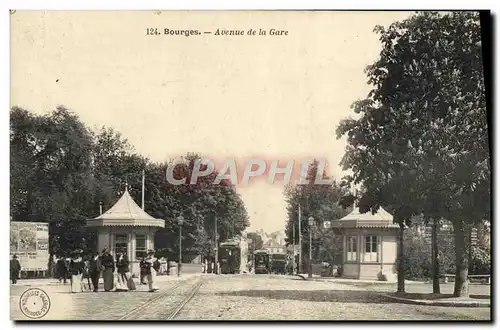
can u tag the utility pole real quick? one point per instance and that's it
(180, 251)
(311, 224)
(300, 242)
(293, 249)
(180, 220)
(216, 248)
(253, 255)
(143, 185)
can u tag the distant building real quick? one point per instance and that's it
(274, 246)
(273, 242)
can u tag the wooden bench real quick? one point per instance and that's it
(487, 277)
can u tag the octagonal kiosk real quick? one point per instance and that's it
(126, 228)
(369, 245)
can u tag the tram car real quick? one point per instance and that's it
(261, 262)
(230, 257)
(278, 263)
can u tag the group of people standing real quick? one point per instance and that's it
(104, 263)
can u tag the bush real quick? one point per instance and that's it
(417, 256)
(417, 260)
(481, 261)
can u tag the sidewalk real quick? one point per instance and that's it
(442, 300)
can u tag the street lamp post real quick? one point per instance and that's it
(180, 220)
(311, 223)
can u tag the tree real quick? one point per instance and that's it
(53, 153)
(256, 244)
(61, 171)
(201, 204)
(320, 202)
(422, 133)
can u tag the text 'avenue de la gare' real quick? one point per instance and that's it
(217, 32)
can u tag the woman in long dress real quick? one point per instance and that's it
(151, 276)
(122, 270)
(108, 263)
(76, 268)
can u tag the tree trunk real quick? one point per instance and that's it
(401, 271)
(462, 261)
(435, 258)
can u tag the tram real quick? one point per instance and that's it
(230, 257)
(262, 263)
(278, 263)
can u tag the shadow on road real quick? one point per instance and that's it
(437, 296)
(342, 296)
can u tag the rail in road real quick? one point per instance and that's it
(171, 302)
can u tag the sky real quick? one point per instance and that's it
(272, 97)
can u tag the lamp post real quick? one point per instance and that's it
(311, 223)
(180, 220)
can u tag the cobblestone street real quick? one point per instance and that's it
(255, 297)
(94, 306)
(243, 297)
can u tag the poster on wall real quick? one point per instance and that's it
(30, 242)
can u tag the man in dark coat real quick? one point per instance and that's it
(62, 269)
(145, 270)
(15, 268)
(95, 269)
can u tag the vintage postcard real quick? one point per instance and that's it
(250, 165)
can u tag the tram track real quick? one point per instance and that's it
(167, 301)
(184, 302)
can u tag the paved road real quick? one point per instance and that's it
(247, 297)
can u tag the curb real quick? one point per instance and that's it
(342, 281)
(437, 303)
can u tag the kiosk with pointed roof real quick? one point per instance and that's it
(369, 245)
(126, 228)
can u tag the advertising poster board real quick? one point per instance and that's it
(30, 242)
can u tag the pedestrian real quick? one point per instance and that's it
(163, 267)
(143, 270)
(50, 266)
(95, 269)
(62, 272)
(128, 279)
(122, 268)
(86, 273)
(109, 268)
(53, 272)
(67, 262)
(151, 276)
(15, 269)
(76, 268)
